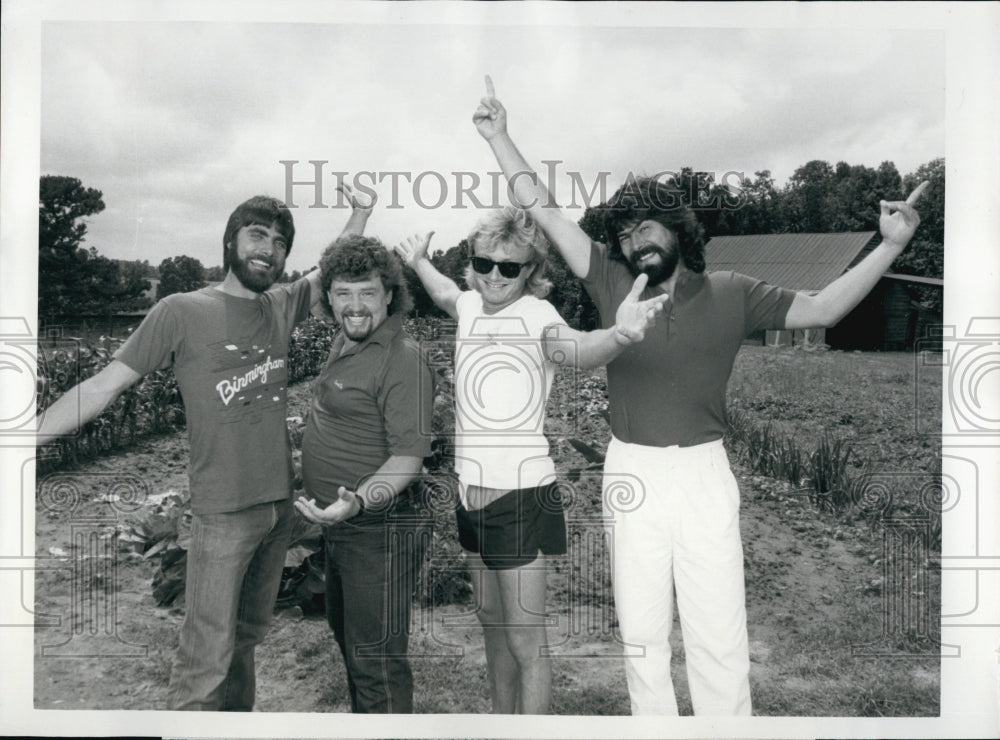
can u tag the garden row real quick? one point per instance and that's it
(825, 467)
(154, 404)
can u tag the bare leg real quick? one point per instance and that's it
(522, 596)
(501, 668)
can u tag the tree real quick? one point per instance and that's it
(75, 281)
(423, 304)
(809, 201)
(931, 204)
(924, 255)
(180, 275)
(285, 277)
(761, 213)
(855, 196)
(453, 261)
(569, 296)
(133, 285)
(63, 204)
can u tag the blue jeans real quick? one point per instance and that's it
(372, 565)
(234, 565)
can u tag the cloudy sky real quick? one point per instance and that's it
(177, 111)
(177, 122)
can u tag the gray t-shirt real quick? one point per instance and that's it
(670, 389)
(230, 358)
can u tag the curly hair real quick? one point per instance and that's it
(645, 198)
(262, 210)
(513, 226)
(354, 258)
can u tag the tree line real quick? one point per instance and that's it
(79, 281)
(818, 198)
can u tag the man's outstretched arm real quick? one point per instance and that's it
(897, 223)
(85, 401)
(361, 209)
(590, 349)
(528, 192)
(441, 288)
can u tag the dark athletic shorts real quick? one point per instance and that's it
(510, 531)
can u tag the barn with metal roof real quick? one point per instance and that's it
(888, 319)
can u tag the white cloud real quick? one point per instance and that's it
(178, 122)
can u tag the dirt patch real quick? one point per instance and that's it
(813, 597)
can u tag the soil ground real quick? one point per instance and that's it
(818, 641)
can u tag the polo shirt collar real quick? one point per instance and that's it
(383, 335)
(687, 286)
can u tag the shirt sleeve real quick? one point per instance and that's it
(603, 281)
(293, 300)
(406, 400)
(765, 305)
(154, 342)
(543, 314)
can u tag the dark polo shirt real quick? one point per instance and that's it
(670, 389)
(369, 403)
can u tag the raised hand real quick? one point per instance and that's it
(490, 117)
(635, 317)
(414, 249)
(899, 219)
(360, 201)
(346, 506)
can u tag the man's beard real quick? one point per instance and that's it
(357, 334)
(657, 271)
(251, 278)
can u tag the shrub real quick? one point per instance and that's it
(308, 349)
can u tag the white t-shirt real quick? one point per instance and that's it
(502, 384)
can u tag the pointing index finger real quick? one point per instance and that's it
(915, 195)
(489, 88)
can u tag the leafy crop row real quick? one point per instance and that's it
(151, 406)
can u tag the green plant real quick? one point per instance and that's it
(152, 406)
(161, 534)
(308, 349)
(303, 579)
(831, 485)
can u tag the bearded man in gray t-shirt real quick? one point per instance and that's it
(228, 347)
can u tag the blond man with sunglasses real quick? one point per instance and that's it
(509, 343)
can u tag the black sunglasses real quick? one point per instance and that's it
(484, 266)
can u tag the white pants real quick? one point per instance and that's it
(673, 523)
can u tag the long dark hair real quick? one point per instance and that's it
(645, 198)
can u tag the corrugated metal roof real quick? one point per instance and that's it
(807, 262)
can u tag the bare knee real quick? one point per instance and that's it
(526, 642)
(490, 614)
